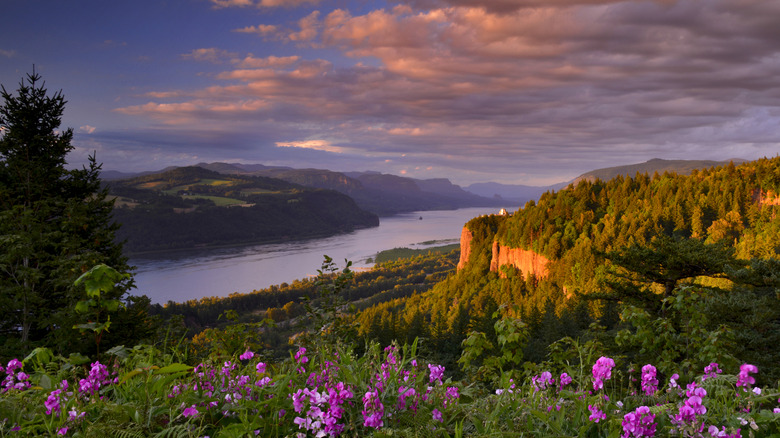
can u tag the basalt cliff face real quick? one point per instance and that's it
(528, 262)
(465, 247)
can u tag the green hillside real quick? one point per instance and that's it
(191, 206)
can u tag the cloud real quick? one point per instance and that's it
(531, 85)
(309, 28)
(260, 29)
(250, 61)
(87, 129)
(261, 3)
(211, 54)
(7, 53)
(317, 145)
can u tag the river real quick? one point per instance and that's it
(194, 274)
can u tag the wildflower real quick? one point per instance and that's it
(564, 380)
(757, 391)
(52, 403)
(596, 414)
(300, 357)
(74, 415)
(247, 355)
(744, 378)
(640, 423)
(451, 395)
(602, 370)
(62, 431)
(403, 394)
(373, 410)
(191, 411)
(260, 367)
(710, 371)
(541, 383)
(437, 372)
(649, 380)
(437, 416)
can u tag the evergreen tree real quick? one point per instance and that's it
(55, 223)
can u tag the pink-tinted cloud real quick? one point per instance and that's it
(210, 54)
(309, 28)
(553, 81)
(260, 29)
(261, 3)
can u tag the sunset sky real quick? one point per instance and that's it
(513, 91)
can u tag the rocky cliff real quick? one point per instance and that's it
(465, 247)
(528, 262)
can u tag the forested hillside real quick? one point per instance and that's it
(718, 225)
(191, 206)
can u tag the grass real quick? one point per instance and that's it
(218, 200)
(394, 254)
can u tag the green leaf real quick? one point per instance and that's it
(173, 368)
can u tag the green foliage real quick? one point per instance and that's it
(97, 282)
(193, 206)
(55, 224)
(682, 337)
(486, 363)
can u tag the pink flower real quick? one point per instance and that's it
(744, 378)
(247, 355)
(596, 414)
(62, 431)
(602, 370)
(260, 367)
(640, 423)
(191, 411)
(437, 372)
(710, 371)
(565, 379)
(437, 416)
(649, 381)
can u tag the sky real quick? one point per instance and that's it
(529, 92)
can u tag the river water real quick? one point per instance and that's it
(194, 274)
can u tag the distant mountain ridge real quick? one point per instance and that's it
(522, 193)
(381, 194)
(680, 167)
(386, 194)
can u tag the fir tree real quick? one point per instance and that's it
(55, 223)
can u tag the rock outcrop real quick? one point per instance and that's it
(465, 247)
(528, 262)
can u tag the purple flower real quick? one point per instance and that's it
(373, 410)
(541, 383)
(564, 380)
(13, 365)
(247, 355)
(710, 371)
(62, 431)
(640, 423)
(191, 411)
(602, 370)
(437, 372)
(649, 380)
(596, 414)
(437, 416)
(260, 367)
(300, 357)
(744, 378)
